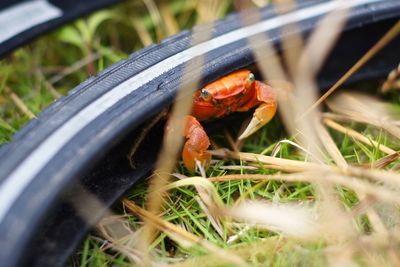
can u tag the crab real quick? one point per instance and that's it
(238, 91)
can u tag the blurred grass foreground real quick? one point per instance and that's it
(315, 192)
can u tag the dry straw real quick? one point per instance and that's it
(323, 218)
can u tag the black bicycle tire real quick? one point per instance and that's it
(98, 136)
(27, 20)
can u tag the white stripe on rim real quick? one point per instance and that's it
(21, 17)
(20, 178)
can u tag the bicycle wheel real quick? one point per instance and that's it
(25, 20)
(49, 154)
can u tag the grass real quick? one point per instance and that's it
(259, 247)
(33, 76)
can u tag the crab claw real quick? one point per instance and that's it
(265, 111)
(196, 145)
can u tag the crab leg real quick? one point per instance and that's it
(196, 144)
(265, 111)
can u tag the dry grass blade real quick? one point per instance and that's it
(207, 204)
(93, 210)
(363, 108)
(19, 103)
(362, 187)
(310, 62)
(292, 220)
(293, 44)
(231, 142)
(388, 177)
(238, 167)
(49, 86)
(173, 138)
(120, 237)
(357, 136)
(381, 193)
(235, 237)
(294, 177)
(210, 195)
(382, 123)
(208, 199)
(142, 32)
(314, 54)
(168, 18)
(332, 149)
(209, 10)
(75, 67)
(115, 229)
(359, 104)
(293, 103)
(385, 161)
(261, 3)
(180, 235)
(387, 38)
(156, 18)
(275, 163)
(272, 70)
(278, 146)
(330, 146)
(214, 220)
(323, 39)
(392, 81)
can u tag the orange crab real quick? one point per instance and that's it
(235, 92)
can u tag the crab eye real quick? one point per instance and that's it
(205, 94)
(251, 77)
